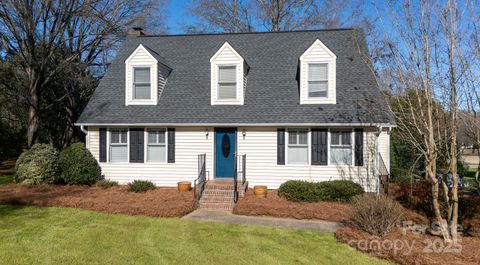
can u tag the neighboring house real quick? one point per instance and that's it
(300, 105)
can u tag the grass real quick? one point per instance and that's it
(42, 235)
(6, 179)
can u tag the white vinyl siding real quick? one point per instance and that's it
(341, 147)
(227, 77)
(260, 146)
(317, 80)
(142, 78)
(118, 151)
(156, 145)
(227, 82)
(297, 146)
(317, 75)
(141, 83)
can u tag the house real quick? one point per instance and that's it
(268, 107)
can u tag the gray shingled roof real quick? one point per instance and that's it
(272, 92)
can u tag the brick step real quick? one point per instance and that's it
(214, 198)
(217, 206)
(226, 193)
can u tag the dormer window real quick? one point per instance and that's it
(317, 80)
(141, 83)
(227, 82)
(317, 75)
(228, 76)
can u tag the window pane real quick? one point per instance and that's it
(156, 137)
(317, 88)
(302, 137)
(227, 74)
(152, 137)
(114, 137)
(335, 138)
(298, 154)
(318, 72)
(227, 91)
(341, 155)
(141, 75)
(346, 138)
(292, 137)
(156, 153)
(161, 137)
(118, 153)
(142, 91)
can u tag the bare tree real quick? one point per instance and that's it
(425, 49)
(273, 15)
(222, 15)
(35, 31)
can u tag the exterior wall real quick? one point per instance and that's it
(260, 146)
(384, 148)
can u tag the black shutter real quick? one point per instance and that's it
(358, 147)
(103, 145)
(319, 147)
(280, 146)
(136, 145)
(171, 145)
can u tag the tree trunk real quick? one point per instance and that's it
(33, 115)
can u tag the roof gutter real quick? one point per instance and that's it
(379, 125)
(82, 128)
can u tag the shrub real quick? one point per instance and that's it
(299, 190)
(38, 165)
(337, 190)
(140, 186)
(376, 214)
(78, 166)
(105, 184)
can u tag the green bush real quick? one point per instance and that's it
(105, 184)
(140, 186)
(39, 165)
(339, 190)
(304, 191)
(78, 166)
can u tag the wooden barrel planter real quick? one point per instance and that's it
(184, 186)
(260, 191)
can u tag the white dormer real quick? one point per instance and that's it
(227, 77)
(141, 78)
(317, 75)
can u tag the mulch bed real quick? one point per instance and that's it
(165, 202)
(410, 248)
(275, 206)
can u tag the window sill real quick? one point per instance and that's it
(141, 102)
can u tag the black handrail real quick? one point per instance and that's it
(243, 159)
(235, 181)
(199, 183)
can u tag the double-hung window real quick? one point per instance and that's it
(118, 145)
(341, 147)
(318, 80)
(227, 82)
(141, 83)
(156, 147)
(297, 146)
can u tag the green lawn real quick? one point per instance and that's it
(36, 235)
(5, 179)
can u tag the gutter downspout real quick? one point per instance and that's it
(87, 140)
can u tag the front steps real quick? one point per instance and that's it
(218, 195)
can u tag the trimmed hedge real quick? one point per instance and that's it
(78, 165)
(304, 191)
(140, 186)
(39, 165)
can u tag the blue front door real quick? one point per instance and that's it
(225, 145)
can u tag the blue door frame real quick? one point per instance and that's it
(225, 150)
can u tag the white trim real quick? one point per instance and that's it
(129, 76)
(287, 140)
(239, 124)
(352, 145)
(239, 64)
(305, 60)
(145, 142)
(108, 145)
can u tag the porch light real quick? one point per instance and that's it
(244, 132)
(206, 133)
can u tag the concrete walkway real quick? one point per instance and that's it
(228, 217)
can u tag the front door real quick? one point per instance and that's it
(225, 148)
